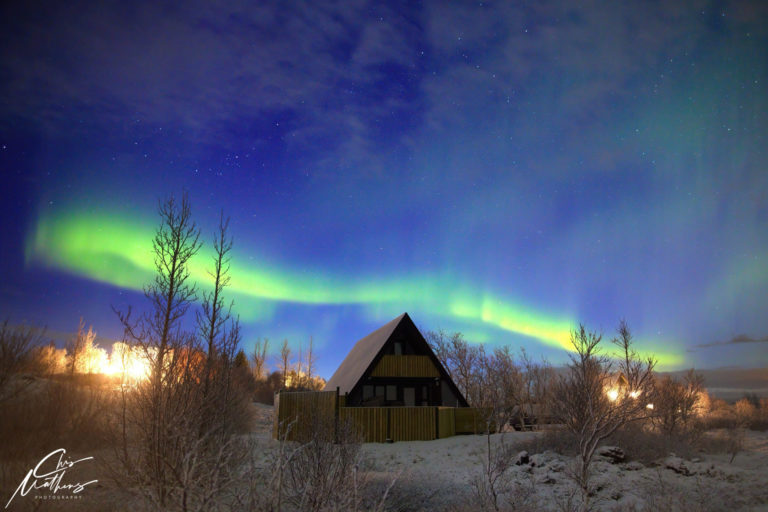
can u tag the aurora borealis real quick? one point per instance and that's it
(503, 169)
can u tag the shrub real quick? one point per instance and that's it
(562, 442)
(326, 471)
(642, 442)
(676, 404)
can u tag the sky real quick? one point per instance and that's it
(504, 169)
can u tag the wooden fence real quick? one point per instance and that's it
(446, 422)
(299, 415)
(370, 424)
(468, 420)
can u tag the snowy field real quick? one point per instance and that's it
(439, 475)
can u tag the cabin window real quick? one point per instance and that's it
(391, 392)
(398, 348)
(379, 390)
(367, 392)
(409, 396)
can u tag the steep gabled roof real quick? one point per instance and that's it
(361, 356)
(367, 351)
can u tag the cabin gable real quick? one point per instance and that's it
(403, 371)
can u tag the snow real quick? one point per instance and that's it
(435, 475)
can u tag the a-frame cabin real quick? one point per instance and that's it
(394, 366)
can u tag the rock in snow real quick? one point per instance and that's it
(677, 465)
(613, 453)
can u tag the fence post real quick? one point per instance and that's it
(276, 425)
(336, 417)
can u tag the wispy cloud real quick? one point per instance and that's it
(736, 340)
(349, 82)
(211, 71)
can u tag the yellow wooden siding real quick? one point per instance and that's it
(405, 366)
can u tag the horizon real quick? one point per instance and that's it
(729, 383)
(492, 169)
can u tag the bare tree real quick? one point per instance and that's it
(297, 374)
(581, 401)
(495, 386)
(637, 371)
(80, 349)
(536, 390)
(674, 402)
(324, 471)
(503, 386)
(310, 362)
(285, 361)
(160, 409)
(461, 360)
(212, 320)
(16, 346)
(497, 488)
(464, 362)
(259, 359)
(219, 333)
(438, 342)
(177, 240)
(49, 360)
(179, 431)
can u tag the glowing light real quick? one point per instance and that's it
(634, 394)
(613, 394)
(301, 378)
(130, 362)
(649, 406)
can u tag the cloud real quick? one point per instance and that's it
(322, 70)
(736, 340)
(342, 89)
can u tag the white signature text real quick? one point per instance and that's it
(49, 474)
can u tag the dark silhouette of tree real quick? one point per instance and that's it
(241, 360)
(178, 429)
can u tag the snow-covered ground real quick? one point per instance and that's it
(438, 475)
(702, 482)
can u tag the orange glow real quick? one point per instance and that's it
(614, 394)
(132, 363)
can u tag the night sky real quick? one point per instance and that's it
(506, 169)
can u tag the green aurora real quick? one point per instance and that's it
(114, 250)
